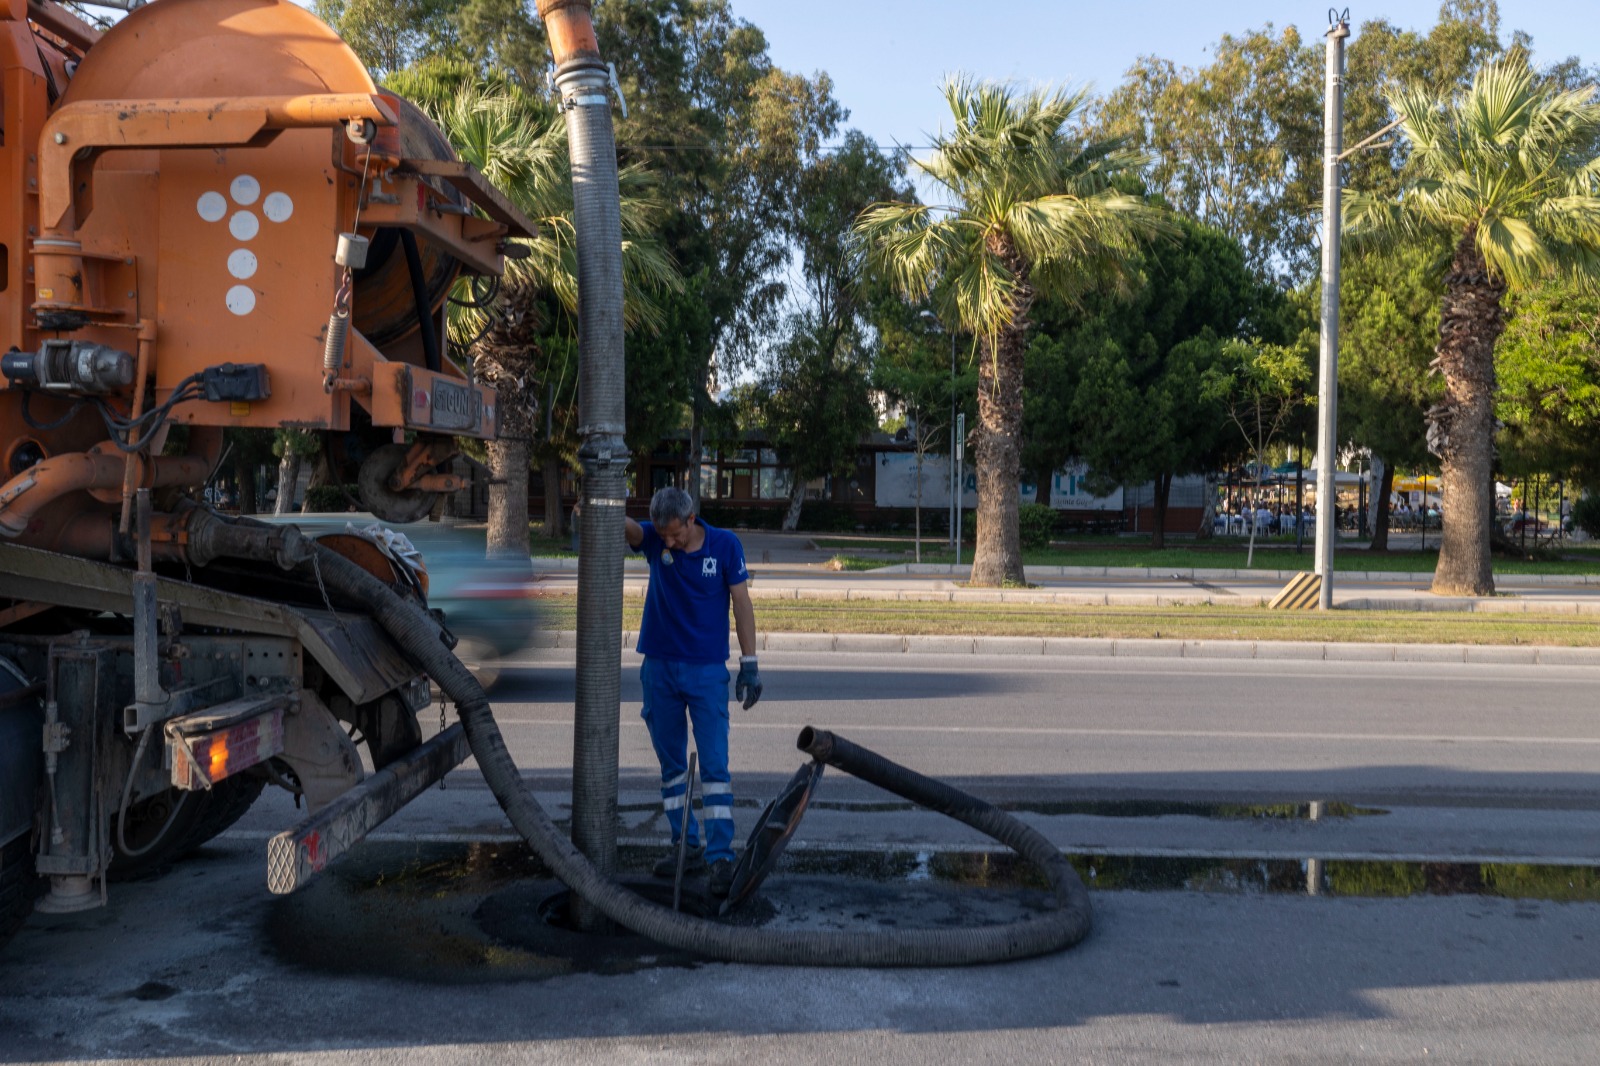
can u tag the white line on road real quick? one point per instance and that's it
(1183, 734)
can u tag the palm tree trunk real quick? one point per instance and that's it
(997, 558)
(997, 561)
(1461, 425)
(508, 498)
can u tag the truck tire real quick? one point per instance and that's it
(202, 816)
(227, 802)
(17, 886)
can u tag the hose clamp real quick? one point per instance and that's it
(588, 88)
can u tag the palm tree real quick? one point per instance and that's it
(520, 145)
(1032, 208)
(1507, 173)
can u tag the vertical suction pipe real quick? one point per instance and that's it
(583, 82)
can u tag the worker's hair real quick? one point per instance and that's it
(671, 505)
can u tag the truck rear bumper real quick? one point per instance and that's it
(296, 855)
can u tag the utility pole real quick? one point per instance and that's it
(955, 480)
(1328, 360)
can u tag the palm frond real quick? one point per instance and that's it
(1502, 161)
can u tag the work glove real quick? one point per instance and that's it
(748, 688)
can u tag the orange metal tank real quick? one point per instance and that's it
(193, 180)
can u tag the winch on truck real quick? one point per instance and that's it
(210, 217)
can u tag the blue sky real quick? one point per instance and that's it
(887, 57)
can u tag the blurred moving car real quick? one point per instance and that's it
(487, 604)
(1521, 523)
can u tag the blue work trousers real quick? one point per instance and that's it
(670, 689)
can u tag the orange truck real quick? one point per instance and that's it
(211, 217)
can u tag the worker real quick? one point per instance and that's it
(696, 573)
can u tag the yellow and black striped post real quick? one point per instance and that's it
(1300, 594)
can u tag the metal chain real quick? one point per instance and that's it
(316, 568)
(441, 729)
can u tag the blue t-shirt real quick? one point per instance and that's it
(686, 607)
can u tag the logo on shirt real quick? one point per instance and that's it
(708, 568)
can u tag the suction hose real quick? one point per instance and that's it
(419, 636)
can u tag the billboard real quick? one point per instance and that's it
(896, 485)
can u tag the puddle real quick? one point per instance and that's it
(1223, 811)
(481, 912)
(1142, 809)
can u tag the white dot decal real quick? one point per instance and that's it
(242, 263)
(243, 225)
(241, 299)
(212, 206)
(244, 190)
(278, 207)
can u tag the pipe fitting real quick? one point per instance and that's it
(570, 26)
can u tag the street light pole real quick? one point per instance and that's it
(955, 484)
(1328, 361)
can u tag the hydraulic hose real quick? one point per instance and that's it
(419, 296)
(420, 637)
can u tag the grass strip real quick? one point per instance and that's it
(1201, 622)
(1229, 558)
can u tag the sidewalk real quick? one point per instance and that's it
(786, 566)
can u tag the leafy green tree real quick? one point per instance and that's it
(525, 348)
(1389, 324)
(1049, 433)
(816, 378)
(813, 401)
(1506, 171)
(727, 134)
(1259, 386)
(389, 35)
(1382, 56)
(1548, 366)
(1139, 409)
(1235, 144)
(924, 371)
(1032, 208)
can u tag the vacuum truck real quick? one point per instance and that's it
(211, 218)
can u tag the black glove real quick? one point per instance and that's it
(748, 687)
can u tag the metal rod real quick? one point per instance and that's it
(1328, 361)
(683, 833)
(1354, 148)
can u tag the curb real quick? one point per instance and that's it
(858, 594)
(1503, 581)
(1146, 648)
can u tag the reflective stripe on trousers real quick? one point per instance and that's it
(677, 697)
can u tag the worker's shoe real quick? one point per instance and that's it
(694, 862)
(721, 879)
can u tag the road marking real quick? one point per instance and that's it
(1067, 731)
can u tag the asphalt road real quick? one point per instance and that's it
(202, 964)
(1057, 728)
